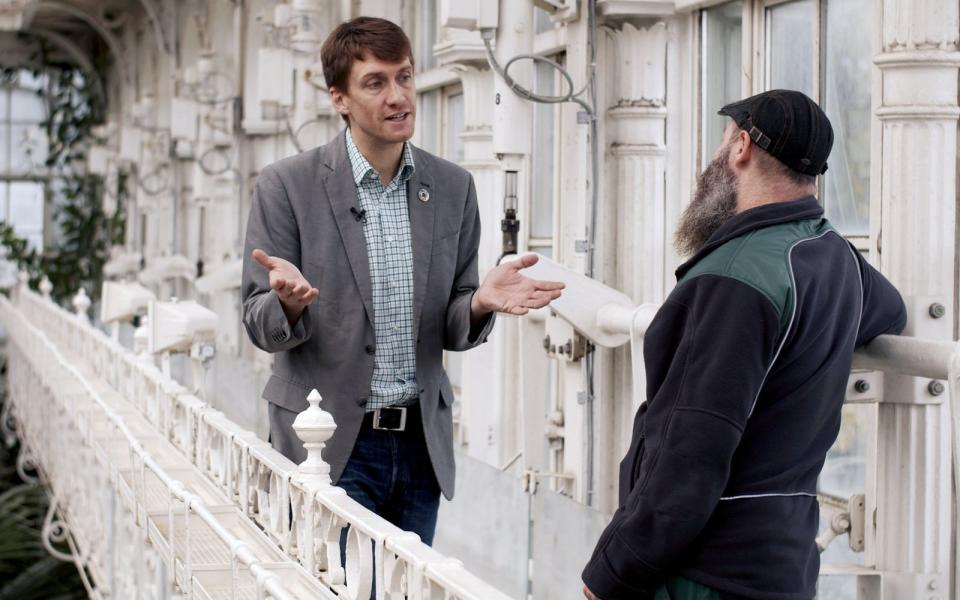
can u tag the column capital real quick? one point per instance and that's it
(478, 86)
(641, 64)
(910, 25)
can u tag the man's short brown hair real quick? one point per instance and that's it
(354, 40)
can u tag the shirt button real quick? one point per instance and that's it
(370, 349)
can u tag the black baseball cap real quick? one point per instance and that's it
(788, 125)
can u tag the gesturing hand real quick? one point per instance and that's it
(506, 290)
(294, 291)
(588, 594)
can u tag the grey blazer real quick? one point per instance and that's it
(301, 212)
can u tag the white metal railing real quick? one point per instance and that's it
(139, 467)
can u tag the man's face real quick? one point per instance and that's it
(714, 201)
(380, 100)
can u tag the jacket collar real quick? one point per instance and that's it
(753, 219)
(361, 167)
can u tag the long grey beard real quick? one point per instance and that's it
(714, 202)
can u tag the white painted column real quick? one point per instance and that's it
(496, 126)
(636, 180)
(488, 414)
(917, 249)
(636, 136)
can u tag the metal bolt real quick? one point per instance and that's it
(932, 586)
(568, 348)
(546, 343)
(862, 386)
(937, 310)
(935, 387)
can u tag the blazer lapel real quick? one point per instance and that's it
(422, 216)
(342, 194)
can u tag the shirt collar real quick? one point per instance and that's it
(756, 218)
(361, 167)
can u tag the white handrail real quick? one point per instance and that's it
(192, 502)
(264, 485)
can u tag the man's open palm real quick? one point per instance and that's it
(506, 290)
(294, 291)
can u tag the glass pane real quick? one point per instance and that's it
(27, 80)
(541, 20)
(843, 475)
(542, 161)
(27, 106)
(790, 41)
(4, 213)
(426, 34)
(454, 128)
(4, 102)
(4, 148)
(26, 209)
(35, 240)
(844, 472)
(721, 45)
(836, 587)
(428, 121)
(28, 145)
(544, 250)
(847, 66)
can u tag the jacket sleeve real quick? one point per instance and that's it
(720, 337)
(883, 308)
(271, 227)
(460, 333)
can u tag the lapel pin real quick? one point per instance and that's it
(423, 194)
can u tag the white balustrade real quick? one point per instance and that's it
(156, 488)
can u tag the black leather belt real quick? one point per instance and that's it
(394, 418)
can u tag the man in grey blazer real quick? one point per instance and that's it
(360, 268)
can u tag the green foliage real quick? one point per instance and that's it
(85, 231)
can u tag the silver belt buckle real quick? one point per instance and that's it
(377, 414)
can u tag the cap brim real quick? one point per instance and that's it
(738, 111)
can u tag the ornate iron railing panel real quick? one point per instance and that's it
(158, 489)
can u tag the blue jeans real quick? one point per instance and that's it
(390, 473)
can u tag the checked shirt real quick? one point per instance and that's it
(390, 254)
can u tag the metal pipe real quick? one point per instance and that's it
(907, 355)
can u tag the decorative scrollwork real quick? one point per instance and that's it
(8, 424)
(26, 462)
(55, 531)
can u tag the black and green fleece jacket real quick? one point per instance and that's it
(747, 363)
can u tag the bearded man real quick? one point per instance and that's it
(747, 364)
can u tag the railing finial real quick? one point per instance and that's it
(314, 427)
(81, 303)
(46, 286)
